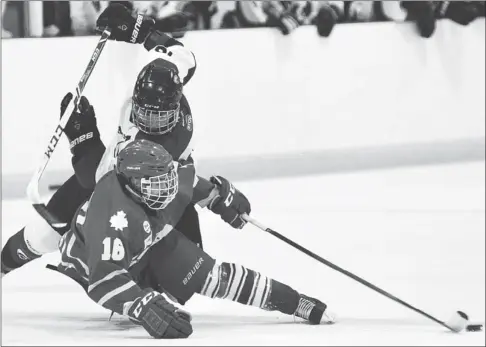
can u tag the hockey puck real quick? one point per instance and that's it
(474, 327)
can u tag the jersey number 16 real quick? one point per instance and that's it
(117, 252)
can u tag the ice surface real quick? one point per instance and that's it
(418, 233)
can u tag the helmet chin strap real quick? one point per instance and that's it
(137, 197)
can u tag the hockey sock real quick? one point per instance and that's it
(248, 287)
(16, 253)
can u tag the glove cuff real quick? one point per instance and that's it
(212, 205)
(157, 38)
(82, 143)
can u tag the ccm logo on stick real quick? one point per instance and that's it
(54, 141)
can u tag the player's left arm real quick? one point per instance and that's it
(140, 29)
(85, 142)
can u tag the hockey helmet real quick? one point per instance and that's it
(147, 171)
(156, 97)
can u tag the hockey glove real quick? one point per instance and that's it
(124, 26)
(230, 204)
(161, 319)
(81, 129)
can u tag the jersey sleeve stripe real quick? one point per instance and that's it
(106, 278)
(115, 292)
(190, 147)
(68, 253)
(80, 219)
(69, 265)
(84, 208)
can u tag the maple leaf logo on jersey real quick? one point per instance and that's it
(119, 221)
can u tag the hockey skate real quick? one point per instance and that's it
(314, 311)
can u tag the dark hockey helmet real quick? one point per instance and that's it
(147, 171)
(156, 97)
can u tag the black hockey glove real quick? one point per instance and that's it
(230, 204)
(161, 319)
(81, 129)
(124, 26)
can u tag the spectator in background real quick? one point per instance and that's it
(83, 16)
(201, 14)
(481, 7)
(323, 14)
(65, 18)
(461, 12)
(5, 33)
(361, 11)
(254, 14)
(57, 21)
(285, 15)
(174, 17)
(420, 12)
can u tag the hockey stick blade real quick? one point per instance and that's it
(33, 186)
(457, 324)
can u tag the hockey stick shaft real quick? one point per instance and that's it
(33, 186)
(341, 270)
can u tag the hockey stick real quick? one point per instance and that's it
(456, 324)
(33, 186)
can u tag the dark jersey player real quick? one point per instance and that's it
(124, 250)
(158, 111)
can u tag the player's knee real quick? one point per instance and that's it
(40, 237)
(237, 283)
(217, 281)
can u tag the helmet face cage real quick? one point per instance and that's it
(155, 122)
(158, 191)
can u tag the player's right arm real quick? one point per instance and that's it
(108, 234)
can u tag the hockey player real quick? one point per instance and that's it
(124, 250)
(158, 111)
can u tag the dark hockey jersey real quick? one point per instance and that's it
(110, 234)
